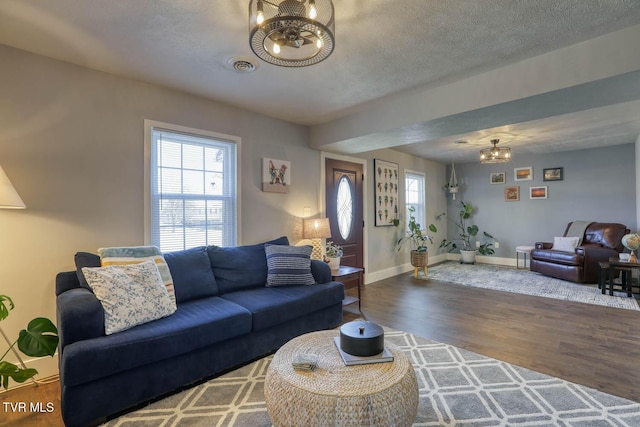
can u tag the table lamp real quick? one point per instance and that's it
(316, 229)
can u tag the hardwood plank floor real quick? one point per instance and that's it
(586, 344)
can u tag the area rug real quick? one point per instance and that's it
(508, 279)
(456, 388)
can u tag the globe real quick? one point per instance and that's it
(631, 241)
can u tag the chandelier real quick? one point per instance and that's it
(291, 33)
(495, 154)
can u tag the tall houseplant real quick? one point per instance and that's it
(465, 233)
(418, 241)
(40, 338)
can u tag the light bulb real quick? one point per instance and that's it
(313, 13)
(276, 48)
(319, 43)
(260, 14)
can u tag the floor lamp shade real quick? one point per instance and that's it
(316, 229)
(9, 198)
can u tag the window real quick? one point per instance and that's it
(414, 196)
(193, 188)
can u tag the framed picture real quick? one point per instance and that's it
(386, 192)
(553, 174)
(523, 174)
(276, 176)
(498, 178)
(512, 193)
(538, 192)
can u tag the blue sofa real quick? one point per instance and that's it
(225, 317)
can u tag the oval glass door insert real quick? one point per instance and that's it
(344, 207)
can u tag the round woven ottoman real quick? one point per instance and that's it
(379, 394)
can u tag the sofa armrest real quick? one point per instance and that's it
(321, 271)
(544, 245)
(79, 316)
(594, 254)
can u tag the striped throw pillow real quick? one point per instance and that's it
(137, 255)
(288, 265)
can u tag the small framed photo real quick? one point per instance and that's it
(553, 174)
(523, 174)
(498, 178)
(512, 193)
(538, 192)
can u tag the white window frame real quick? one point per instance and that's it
(421, 210)
(149, 126)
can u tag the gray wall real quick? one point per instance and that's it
(598, 185)
(72, 143)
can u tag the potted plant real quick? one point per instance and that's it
(334, 253)
(418, 241)
(39, 339)
(465, 233)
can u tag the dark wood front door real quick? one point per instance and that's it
(344, 209)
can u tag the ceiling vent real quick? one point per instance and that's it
(241, 64)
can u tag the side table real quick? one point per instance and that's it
(524, 250)
(346, 274)
(379, 394)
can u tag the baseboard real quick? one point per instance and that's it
(434, 259)
(400, 269)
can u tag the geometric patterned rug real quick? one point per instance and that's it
(509, 279)
(456, 388)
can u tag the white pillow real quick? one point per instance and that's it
(130, 294)
(565, 244)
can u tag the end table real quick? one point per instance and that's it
(345, 274)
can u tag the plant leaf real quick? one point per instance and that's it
(9, 370)
(39, 339)
(472, 230)
(432, 228)
(4, 310)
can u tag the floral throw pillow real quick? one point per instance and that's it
(130, 294)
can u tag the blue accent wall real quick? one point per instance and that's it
(599, 185)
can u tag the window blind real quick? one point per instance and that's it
(193, 191)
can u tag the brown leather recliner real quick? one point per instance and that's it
(600, 241)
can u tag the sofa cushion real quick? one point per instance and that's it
(557, 257)
(240, 267)
(566, 244)
(195, 324)
(136, 255)
(85, 259)
(192, 274)
(130, 294)
(273, 306)
(288, 265)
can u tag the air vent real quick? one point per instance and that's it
(241, 64)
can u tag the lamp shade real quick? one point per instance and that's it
(317, 228)
(9, 198)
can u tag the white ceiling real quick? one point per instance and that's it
(383, 48)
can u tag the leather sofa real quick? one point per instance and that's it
(600, 241)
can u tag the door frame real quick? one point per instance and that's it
(365, 197)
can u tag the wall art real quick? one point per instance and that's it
(553, 174)
(538, 192)
(386, 192)
(498, 178)
(512, 193)
(276, 176)
(523, 174)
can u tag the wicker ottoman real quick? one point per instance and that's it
(381, 394)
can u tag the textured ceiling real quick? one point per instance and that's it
(382, 48)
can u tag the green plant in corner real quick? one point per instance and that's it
(39, 339)
(465, 232)
(414, 235)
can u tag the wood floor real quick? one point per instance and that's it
(586, 344)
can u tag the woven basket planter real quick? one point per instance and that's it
(419, 259)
